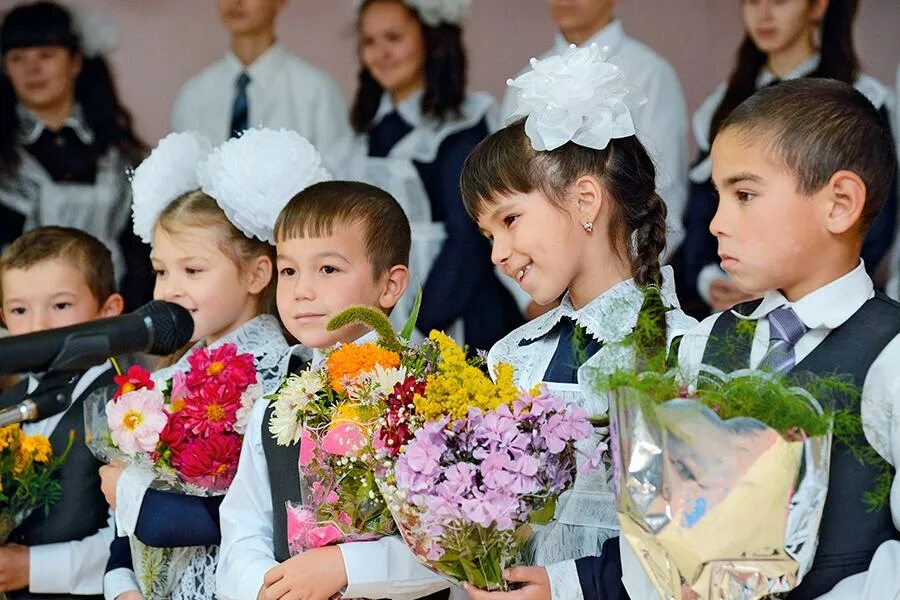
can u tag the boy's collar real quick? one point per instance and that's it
(827, 307)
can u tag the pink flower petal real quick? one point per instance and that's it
(347, 439)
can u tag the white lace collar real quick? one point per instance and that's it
(31, 126)
(424, 141)
(609, 317)
(261, 336)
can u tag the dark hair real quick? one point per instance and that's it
(506, 163)
(48, 24)
(445, 74)
(838, 60)
(321, 208)
(817, 127)
(79, 249)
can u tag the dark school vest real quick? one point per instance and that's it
(81, 510)
(849, 532)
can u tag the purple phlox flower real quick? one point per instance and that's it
(495, 507)
(495, 470)
(474, 417)
(577, 418)
(500, 429)
(413, 479)
(524, 471)
(593, 459)
(435, 552)
(458, 480)
(433, 432)
(546, 402)
(441, 506)
(562, 428)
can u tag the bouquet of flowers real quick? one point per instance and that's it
(27, 476)
(744, 453)
(187, 431)
(487, 463)
(344, 413)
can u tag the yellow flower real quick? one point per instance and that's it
(345, 413)
(8, 436)
(37, 447)
(458, 385)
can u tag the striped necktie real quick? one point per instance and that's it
(240, 110)
(785, 329)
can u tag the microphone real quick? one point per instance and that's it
(157, 328)
(50, 397)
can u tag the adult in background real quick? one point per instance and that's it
(66, 141)
(661, 123)
(259, 83)
(415, 124)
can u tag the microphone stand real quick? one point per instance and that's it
(53, 391)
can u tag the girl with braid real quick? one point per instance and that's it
(567, 197)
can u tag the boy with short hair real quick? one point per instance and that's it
(54, 277)
(339, 244)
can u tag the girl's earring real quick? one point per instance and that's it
(588, 226)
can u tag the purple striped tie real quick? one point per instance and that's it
(785, 328)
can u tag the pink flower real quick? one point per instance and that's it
(210, 462)
(221, 366)
(346, 439)
(136, 378)
(136, 420)
(206, 411)
(323, 536)
(179, 387)
(307, 448)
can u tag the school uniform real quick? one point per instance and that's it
(566, 348)
(64, 180)
(278, 90)
(254, 522)
(850, 329)
(68, 546)
(166, 520)
(700, 250)
(661, 123)
(418, 160)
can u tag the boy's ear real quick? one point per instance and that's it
(589, 198)
(113, 306)
(847, 193)
(259, 274)
(395, 282)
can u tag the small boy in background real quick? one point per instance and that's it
(54, 277)
(339, 244)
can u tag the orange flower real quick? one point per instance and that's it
(350, 360)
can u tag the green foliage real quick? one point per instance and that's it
(373, 318)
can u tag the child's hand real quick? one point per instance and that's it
(534, 580)
(316, 574)
(132, 595)
(723, 294)
(109, 477)
(14, 567)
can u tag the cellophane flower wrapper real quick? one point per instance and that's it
(338, 413)
(467, 493)
(187, 431)
(729, 509)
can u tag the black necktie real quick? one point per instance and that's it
(575, 346)
(241, 108)
(384, 136)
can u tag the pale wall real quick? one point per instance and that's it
(164, 42)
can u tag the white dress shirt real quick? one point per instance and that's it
(73, 567)
(383, 568)
(661, 123)
(821, 311)
(284, 91)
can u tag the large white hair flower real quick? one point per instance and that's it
(169, 172)
(435, 12)
(253, 177)
(577, 97)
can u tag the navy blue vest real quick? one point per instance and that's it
(81, 510)
(849, 532)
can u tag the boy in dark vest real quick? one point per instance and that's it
(339, 244)
(54, 277)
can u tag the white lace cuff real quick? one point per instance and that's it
(130, 490)
(564, 583)
(119, 581)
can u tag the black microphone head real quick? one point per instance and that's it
(172, 325)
